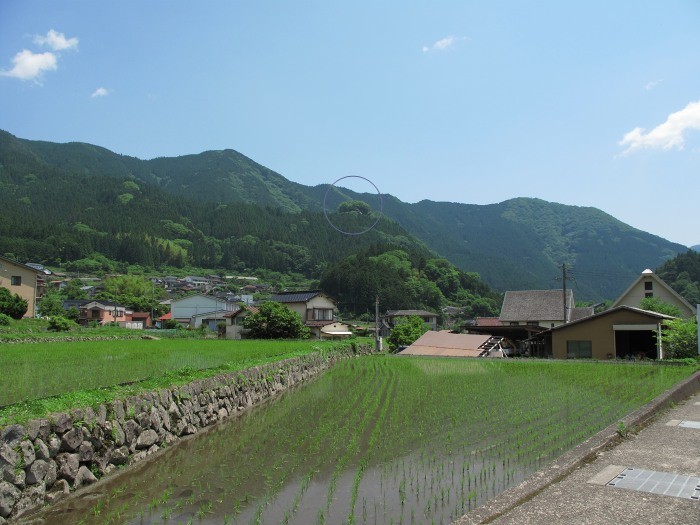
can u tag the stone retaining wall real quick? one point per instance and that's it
(45, 459)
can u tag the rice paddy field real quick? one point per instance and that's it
(378, 440)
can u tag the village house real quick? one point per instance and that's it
(191, 310)
(102, 312)
(23, 280)
(234, 322)
(317, 311)
(540, 308)
(389, 320)
(648, 284)
(526, 313)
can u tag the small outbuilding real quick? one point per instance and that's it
(450, 344)
(623, 332)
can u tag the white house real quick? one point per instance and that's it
(194, 306)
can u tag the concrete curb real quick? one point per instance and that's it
(580, 455)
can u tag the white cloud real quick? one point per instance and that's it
(30, 66)
(56, 41)
(651, 85)
(100, 92)
(443, 44)
(665, 136)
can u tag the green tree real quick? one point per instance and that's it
(132, 291)
(73, 290)
(275, 321)
(654, 304)
(405, 332)
(680, 338)
(60, 324)
(12, 304)
(359, 207)
(51, 305)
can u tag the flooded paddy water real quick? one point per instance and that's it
(376, 440)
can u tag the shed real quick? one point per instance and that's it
(447, 344)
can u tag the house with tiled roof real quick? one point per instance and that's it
(541, 308)
(314, 307)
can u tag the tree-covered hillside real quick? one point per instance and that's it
(516, 244)
(682, 273)
(52, 215)
(403, 279)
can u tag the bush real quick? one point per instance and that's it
(275, 320)
(12, 304)
(405, 331)
(680, 338)
(60, 324)
(5, 320)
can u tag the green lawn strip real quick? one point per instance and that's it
(92, 397)
(40, 370)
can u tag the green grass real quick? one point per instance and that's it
(44, 377)
(36, 330)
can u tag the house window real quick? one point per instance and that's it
(533, 323)
(579, 349)
(514, 323)
(322, 314)
(16, 280)
(648, 294)
(648, 285)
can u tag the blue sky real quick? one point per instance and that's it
(590, 103)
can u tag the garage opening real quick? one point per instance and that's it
(635, 344)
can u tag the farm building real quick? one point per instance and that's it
(623, 332)
(450, 344)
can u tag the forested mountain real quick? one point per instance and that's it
(682, 273)
(205, 205)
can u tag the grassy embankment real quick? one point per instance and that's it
(39, 378)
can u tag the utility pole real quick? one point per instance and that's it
(563, 280)
(377, 339)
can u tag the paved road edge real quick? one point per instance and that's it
(581, 454)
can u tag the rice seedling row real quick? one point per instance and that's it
(381, 440)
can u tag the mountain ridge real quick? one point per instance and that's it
(519, 243)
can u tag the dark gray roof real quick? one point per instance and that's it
(294, 297)
(580, 312)
(535, 305)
